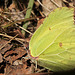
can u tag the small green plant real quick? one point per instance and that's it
(28, 13)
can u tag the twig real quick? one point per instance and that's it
(55, 3)
(16, 22)
(10, 37)
(46, 7)
(25, 30)
(10, 13)
(43, 6)
(8, 42)
(41, 70)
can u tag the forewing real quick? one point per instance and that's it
(53, 26)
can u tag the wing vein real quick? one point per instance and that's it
(53, 41)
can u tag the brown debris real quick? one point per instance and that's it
(17, 70)
(17, 53)
(7, 47)
(39, 22)
(15, 12)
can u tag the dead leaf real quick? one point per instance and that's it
(39, 23)
(7, 47)
(15, 32)
(14, 55)
(51, 6)
(17, 62)
(15, 12)
(17, 70)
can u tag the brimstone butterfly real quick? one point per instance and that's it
(53, 43)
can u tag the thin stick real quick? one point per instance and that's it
(25, 30)
(55, 3)
(74, 3)
(43, 6)
(16, 22)
(10, 37)
(19, 21)
(41, 70)
(10, 13)
(8, 42)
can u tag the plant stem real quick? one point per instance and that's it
(28, 13)
(27, 19)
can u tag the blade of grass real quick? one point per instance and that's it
(28, 13)
(10, 24)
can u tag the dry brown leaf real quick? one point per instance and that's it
(15, 12)
(39, 23)
(14, 55)
(48, 4)
(7, 47)
(17, 70)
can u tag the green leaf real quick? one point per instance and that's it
(54, 41)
